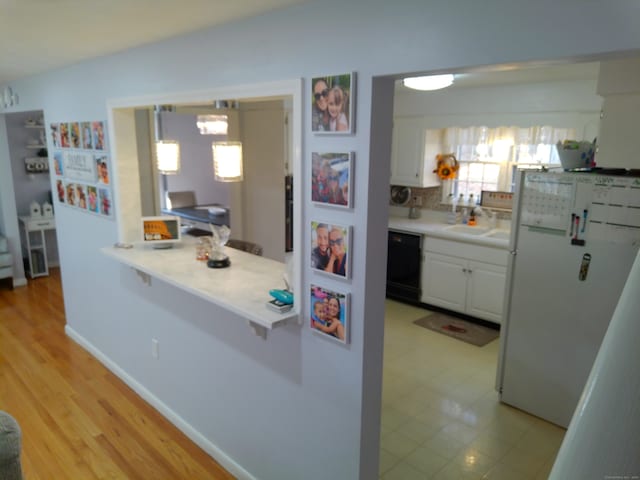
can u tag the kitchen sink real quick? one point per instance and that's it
(467, 230)
(500, 234)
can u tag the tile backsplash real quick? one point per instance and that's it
(430, 199)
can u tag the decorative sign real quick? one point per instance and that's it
(82, 167)
(79, 166)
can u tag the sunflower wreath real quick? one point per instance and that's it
(447, 166)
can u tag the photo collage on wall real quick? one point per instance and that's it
(331, 185)
(81, 166)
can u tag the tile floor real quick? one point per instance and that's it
(441, 418)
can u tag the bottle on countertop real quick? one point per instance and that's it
(452, 216)
(465, 216)
(472, 200)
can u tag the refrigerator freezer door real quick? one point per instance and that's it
(557, 318)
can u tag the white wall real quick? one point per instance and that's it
(262, 133)
(267, 405)
(8, 211)
(570, 104)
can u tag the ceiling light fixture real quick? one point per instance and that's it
(167, 151)
(430, 82)
(213, 124)
(227, 161)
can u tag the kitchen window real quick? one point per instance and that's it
(489, 158)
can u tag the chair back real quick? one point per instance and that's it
(245, 246)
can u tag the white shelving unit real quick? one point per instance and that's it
(35, 246)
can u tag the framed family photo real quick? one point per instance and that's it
(330, 249)
(333, 104)
(329, 313)
(332, 178)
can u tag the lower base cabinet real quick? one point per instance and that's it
(462, 282)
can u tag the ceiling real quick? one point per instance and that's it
(41, 35)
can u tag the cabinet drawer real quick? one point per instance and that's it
(40, 224)
(481, 253)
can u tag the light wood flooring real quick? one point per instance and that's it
(78, 420)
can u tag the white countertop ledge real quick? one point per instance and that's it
(440, 230)
(243, 288)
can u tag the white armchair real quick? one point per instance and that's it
(6, 260)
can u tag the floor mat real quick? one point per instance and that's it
(458, 328)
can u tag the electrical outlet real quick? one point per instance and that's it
(155, 348)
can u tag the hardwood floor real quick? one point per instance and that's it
(78, 420)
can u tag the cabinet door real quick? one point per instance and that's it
(444, 281)
(407, 155)
(485, 290)
(619, 125)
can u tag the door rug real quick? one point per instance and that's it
(457, 328)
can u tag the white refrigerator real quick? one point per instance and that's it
(574, 238)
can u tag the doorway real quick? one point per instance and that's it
(32, 188)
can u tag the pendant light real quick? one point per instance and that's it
(227, 161)
(167, 151)
(213, 124)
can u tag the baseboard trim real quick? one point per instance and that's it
(222, 458)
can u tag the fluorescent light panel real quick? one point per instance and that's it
(430, 82)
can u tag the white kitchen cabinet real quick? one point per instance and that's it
(444, 281)
(619, 86)
(485, 290)
(35, 246)
(413, 153)
(618, 128)
(464, 278)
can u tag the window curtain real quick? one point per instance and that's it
(455, 137)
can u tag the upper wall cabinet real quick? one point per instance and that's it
(618, 83)
(413, 153)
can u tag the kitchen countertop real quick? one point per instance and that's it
(243, 288)
(434, 224)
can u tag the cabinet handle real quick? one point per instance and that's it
(469, 271)
(464, 270)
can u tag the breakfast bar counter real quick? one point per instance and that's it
(243, 288)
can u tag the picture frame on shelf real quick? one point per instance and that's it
(332, 179)
(329, 313)
(333, 104)
(331, 249)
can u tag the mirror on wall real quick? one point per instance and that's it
(258, 208)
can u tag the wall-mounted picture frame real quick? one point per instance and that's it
(104, 198)
(61, 191)
(74, 134)
(333, 104)
(332, 178)
(331, 249)
(70, 189)
(54, 128)
(329, 313)
(58, 161)
(87, 136)
(64, 135)
(97, 129)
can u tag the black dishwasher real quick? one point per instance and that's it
(404, 256)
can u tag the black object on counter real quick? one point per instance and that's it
(218, 263)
